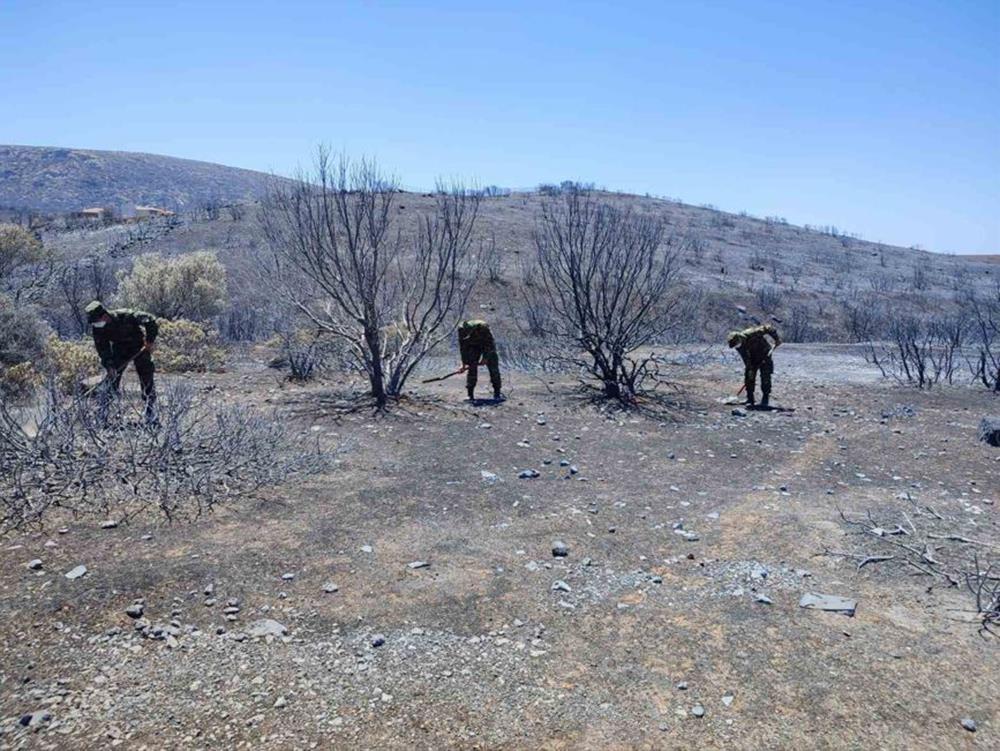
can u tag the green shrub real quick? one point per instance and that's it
(185, 346)
(71, 361)
(191, 286)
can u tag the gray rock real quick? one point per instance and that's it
(738, 413)
(330, 588)
(560, 549)
(489, 478)
(831, 603)
(764, 600)
(280, 702)
(134, 610)
(35, 564)
(969, 724)
(77, 572)
(378, 640)
(682, 686)
(989, 431)
(560, 586)
(266, 627)
(727, 699)
(698, 711)
(288, 577)
(418, 564)
(528, 474)
(109, 524)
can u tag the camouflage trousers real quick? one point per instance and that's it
(144, 368)
(766, 368)
(492, 360)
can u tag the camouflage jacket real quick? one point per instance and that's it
(124, 334)
(754, 348)
(475, 340)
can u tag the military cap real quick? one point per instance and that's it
(94, 310)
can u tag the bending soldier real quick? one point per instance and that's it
(121, 336)
(755, 349)
(476, 345)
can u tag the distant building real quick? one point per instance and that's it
(95, 214)
(145, 212)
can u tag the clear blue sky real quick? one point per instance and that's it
(882, 118)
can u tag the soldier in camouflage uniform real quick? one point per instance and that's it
(121, 335)
(476, 345)
(755, 349)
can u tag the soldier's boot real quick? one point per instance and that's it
(471, 393)
(764, 400)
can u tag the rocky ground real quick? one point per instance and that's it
(641, 589)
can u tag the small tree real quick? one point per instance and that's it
(191, 286)
(343, 261)
(608, 277)
(25, 265)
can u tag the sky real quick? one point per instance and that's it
(881, 118)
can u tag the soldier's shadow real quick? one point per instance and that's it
(769, 408)
(487, 402)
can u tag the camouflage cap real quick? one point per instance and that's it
(94, 310)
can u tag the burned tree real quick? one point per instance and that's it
(984, 359)
(608, 278)
(390, 293)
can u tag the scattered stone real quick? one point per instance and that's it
(560, 549)
(682, 686)
(330, 588)
(738, 413)
(35, 564)
(266, 627)
(764, 600)
(378, 640)
(77, 572)
(560, 586)
(528, 474)
(727, 699)
(280, 702)
(489, 477)
(109, 524)
(698, 711)
(134, 610)
(288, 577)
(417, 564)
(969, 724)
(831, 603)
(367, 549)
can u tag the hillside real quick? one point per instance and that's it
(743, 268)
(63, 179)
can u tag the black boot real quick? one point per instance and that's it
(472, 398)
(497, 396)
(763, 401)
